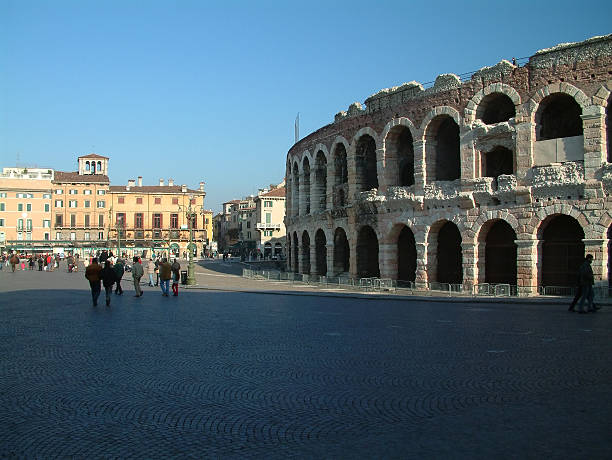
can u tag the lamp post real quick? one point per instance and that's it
(190, 214)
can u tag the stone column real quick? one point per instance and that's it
(329, 247)
(468, 257)
(527, 266)
(295, 195)
(467, 154)
(480, 262)
(422, 261)
(380, 169)
(387, 260)
(302, 197)
(313, 259)
(353, 257)
(523, 148)
(593, 127)
(419, 165)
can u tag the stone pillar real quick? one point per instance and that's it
(527, 253)
(329, 247)
(387, 260)
(468, 257)
(353, 257)
(599, 249)
(380, 169)
(295, 195)
(467, 154)
(421, 275)
(313, 259)
(302, 197)
(593, 128)
(523, 148)
(480, 262)
(419, 165)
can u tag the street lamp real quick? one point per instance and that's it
(190, 214)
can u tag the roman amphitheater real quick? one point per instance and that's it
(502, 178)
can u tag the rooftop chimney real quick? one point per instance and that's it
(184, 188)
(140, 181)
(170, 182)
(161, 182)
(131, 182)
(201, 186)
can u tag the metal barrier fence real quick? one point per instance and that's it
(411, 287)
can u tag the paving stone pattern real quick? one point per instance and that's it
(231, 374)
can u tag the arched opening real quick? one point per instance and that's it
(449, 256)
(558, 116)
(87, 167)
(305, 253)
(562, 250)
(320, 182)
(500, 254)
(495, 108)
(407, 256)
(442, 148)
(278, 249)
(288, 191)
(321, 252)
(365, 162)
(296, 259)
(399, 157)
(341, 252)
(295, 194)
(498, 161)
(306, 186)
(99, 166)
(367, 253)
(267, 250)
(289, 253)
(340, 176)
(93, 167)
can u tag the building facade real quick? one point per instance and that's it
(503, 178)
(25, 206)
(80, 212)
(269, 222)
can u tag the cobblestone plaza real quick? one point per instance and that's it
(222, 373)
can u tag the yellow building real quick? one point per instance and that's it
(25, 208)
(154, 218)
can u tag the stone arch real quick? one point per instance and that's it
(406, 255)
(306, 183)
(442, 147)
(319, 184)
(534, 226)
(296, 258)
(398, 151)
(305, 253)
(471, 109)
(558, 116)
(320, 253)
(444, 253)
(87, 166)
(338, 172)
(496, 254)
(561, 250)
(341, 262)
(295, 193)
(364, 155)
(437, 111)
(497, 161)
(367, 250)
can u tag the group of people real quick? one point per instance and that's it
(46, 262)
(108, 271)
(585, 288)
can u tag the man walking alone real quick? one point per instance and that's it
(165, 273)
(137, 272)
(93, 276)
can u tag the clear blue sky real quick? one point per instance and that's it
(197, 90)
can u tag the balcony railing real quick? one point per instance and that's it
(266, 226)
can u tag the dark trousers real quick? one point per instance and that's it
(109, 291)
(118, 289)
(96, 287)
(577, 298)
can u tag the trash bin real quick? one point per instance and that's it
(183, 276)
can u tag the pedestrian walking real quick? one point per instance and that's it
(31, 262)
(176, 276)
(119, 271)
(165, 273)
(585, 274)
(108, 277)
(157, 264)
(93, 276)
(151, 271)
(14, 261)
(40, 263)
(137, 272)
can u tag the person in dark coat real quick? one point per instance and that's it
(176, 276)
(92, 273)
(40, 264)
(119, 271)
(585, 274)
(108, 277)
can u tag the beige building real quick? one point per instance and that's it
(500, 181)
(155, 218)
(25, 208)
(269, 218)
